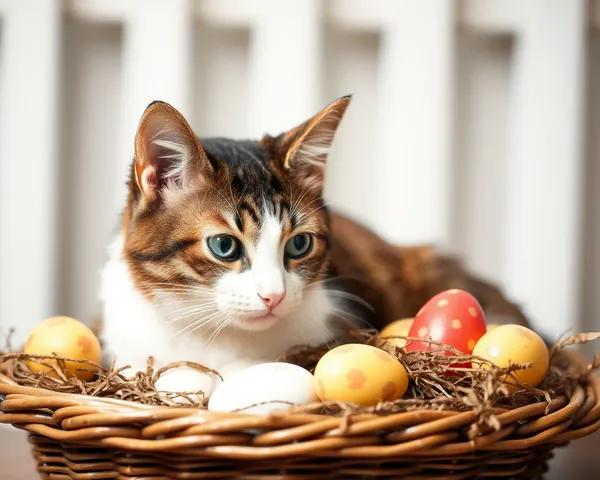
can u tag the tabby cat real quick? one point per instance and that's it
(228, 256)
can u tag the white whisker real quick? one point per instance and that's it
(210, 322)
(315, 210)
(223, 323)
(303, 215)
(315, 321)
(195, 325)
(296, 204)
(187, 290)
(182, 301)
(190, 312)
(349, 296)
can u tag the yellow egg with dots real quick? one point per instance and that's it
(68, 338)
(399, 328)
(360, 374)
(515, 344)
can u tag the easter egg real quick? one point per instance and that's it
(360, 374)
(65, 337)
(510, 344)
(264, 388)
(453, 317)
(397, 328)
(194, 383)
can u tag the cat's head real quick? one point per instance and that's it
(223, 231)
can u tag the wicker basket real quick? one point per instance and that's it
(81, 437)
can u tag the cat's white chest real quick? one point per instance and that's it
(133, 328)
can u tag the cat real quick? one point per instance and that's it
(228, 255)
(222, 254)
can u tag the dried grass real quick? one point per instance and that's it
(436, 382)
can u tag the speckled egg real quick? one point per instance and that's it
(65, 337)
(264, 388)
(397, 328)
(452, 317)
(510, 344)
(360, 374)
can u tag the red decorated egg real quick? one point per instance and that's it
(453, 317)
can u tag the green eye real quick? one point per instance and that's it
(299, 246)
(224, 247)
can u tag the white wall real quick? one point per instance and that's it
(468, 117)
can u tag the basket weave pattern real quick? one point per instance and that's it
(82, 437)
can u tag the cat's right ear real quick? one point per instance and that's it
(304, 149)
(167, 152)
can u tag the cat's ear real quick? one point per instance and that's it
(304, 149)
(167, 152)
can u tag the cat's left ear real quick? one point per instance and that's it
(167, 152)
(304, 149)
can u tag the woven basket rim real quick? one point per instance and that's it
(119, 424)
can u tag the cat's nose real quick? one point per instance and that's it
(272, 299)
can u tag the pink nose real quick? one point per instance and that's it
(272, 299)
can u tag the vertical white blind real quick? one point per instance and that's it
(545, 162)
(416, 72)
(157, 64)
(284, 63)
(29, 151)
(467, 128)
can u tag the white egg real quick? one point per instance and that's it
(280, 384)
(186, 379)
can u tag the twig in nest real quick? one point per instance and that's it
(578, 339)
(439, 381)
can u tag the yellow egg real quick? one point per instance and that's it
(491, 327)
(68, 338)
(397, 328)
(509, 344)
(360, 374)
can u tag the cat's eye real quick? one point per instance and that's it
(299, 245)
(224, 247)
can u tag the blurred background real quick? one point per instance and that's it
(473, 126)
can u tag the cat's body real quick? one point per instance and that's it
(228, 256)
(223, 253)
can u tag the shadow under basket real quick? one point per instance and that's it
(82, 437)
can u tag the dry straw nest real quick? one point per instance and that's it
(447, 427)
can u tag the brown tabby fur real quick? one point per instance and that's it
(163, 245)
(396, 281)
